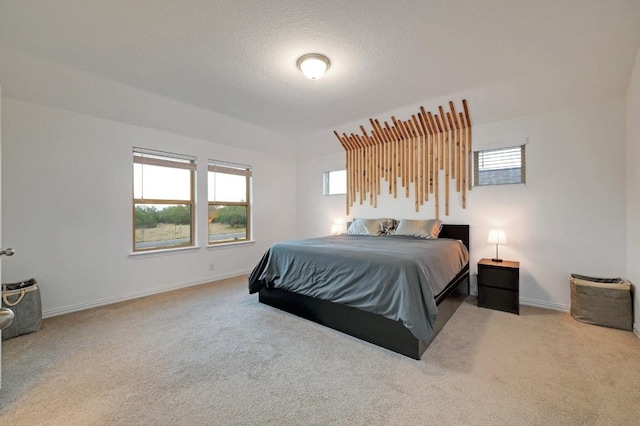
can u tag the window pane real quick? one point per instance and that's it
(159, 226)
(227, 223)
(507, 158)
(500, 166)
(161, 183)
(225, 187)
(335, 182)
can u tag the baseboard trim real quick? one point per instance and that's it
(107, 301)
(563, 308)
(110, 300)
(546, 305)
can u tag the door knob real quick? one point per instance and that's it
(6, 317)
(7, 252)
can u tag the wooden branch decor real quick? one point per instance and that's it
(415, 152)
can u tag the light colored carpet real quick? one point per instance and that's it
(213, 355)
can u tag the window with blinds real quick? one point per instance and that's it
(500, 166)
(163, 200)
(229, 202)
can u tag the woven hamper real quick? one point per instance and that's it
(601, 301)
(23, 298)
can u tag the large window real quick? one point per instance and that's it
(163, 200)
(335, 182)
(229, 202)
(500, 166)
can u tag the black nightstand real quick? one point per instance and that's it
(499, 285)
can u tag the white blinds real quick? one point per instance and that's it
(500, 166)
(157, 158)
(229, 168)
(162, 176)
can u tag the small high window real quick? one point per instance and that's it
(335, 182)
(500, 166)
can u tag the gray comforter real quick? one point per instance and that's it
(393, 276)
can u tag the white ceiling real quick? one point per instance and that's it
(238, 57)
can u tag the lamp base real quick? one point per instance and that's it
(496, 260)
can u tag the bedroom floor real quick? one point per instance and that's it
(213, 355)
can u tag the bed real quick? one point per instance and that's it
(326, 280)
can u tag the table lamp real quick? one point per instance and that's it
(497, 236)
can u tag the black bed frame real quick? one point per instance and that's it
(373, 328)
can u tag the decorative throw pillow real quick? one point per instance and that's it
(388, 225)
(427, 229)
(366, 227)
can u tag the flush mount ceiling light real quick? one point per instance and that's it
(313, 65)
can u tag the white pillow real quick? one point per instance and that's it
(428, 229)
(366, 227)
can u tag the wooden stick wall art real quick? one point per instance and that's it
(415, 152)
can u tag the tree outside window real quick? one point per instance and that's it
(229, 202)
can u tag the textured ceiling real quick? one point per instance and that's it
(238, 57)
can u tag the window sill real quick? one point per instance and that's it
(163, 252)
(230, 244)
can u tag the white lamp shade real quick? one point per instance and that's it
(335, 229)
(497, 236)
(313, 65)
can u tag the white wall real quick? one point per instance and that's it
(633, 187)
(569, 217)
(66, 207)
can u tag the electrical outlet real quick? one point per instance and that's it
(212, 266)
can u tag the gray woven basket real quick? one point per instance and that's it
(23, 298)
(602, 301)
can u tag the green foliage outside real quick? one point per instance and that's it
(177, 215)
(230, 215)
(146, 217)
(150, 216)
